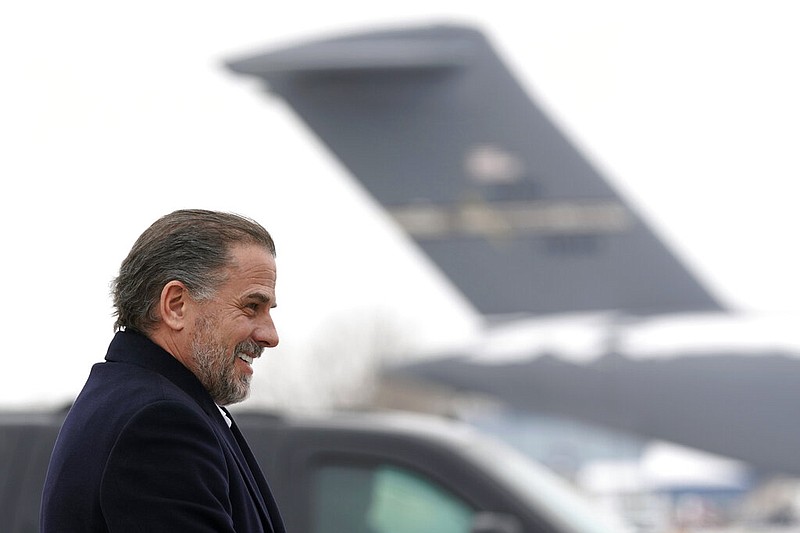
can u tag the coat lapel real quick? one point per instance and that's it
(251, 473)
(264, 492)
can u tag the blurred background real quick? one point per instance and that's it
(113, 115)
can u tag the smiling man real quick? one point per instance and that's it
(148, 445)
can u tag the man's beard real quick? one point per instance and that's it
(215, 368)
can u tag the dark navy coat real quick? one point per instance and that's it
(144, 448)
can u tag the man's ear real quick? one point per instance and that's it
(174, 305)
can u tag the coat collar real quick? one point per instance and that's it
(136, 349)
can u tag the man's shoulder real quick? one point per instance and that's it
(128, 383)
(115, 392)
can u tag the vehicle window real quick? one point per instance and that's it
(384, 499)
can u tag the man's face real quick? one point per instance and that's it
(232, 328)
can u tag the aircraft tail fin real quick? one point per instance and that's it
(439, 131)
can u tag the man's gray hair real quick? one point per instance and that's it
(191, 246)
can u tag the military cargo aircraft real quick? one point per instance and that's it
(436, 127)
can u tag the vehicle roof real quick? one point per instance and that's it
(438, 428)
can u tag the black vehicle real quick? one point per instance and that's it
(354, 472)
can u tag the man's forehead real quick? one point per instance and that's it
(251, 273)
(253, 258)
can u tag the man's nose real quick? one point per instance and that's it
(266, 334)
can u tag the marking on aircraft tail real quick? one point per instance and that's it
(513, 219)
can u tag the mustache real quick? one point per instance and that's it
(248, 347)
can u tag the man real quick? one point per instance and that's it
(147, 445)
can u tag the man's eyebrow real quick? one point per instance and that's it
(260, 297)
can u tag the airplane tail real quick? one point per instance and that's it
(439, 131)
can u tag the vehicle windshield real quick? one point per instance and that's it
(549, 494)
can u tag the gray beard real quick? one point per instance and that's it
(215, 368)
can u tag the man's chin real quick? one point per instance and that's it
(232, 401)
(232, 397)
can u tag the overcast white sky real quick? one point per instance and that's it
(114, 114)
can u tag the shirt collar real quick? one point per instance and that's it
(225, 416)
